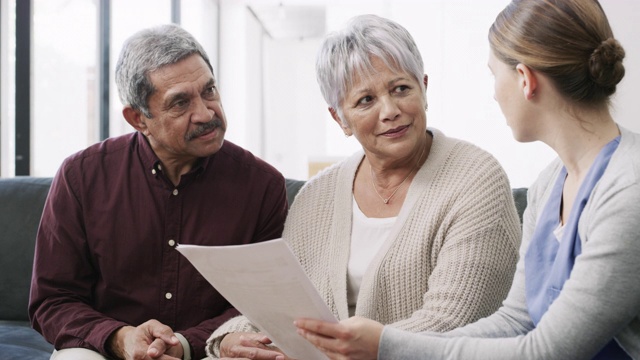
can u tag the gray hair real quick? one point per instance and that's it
(149, 50)
(348, 52)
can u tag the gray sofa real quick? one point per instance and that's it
(21, 203)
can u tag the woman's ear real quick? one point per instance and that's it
(135, 119)
(527, 80)
(345, 128)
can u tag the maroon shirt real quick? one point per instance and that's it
(105, 253)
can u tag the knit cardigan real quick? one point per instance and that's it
(450, 257)
(600, 300)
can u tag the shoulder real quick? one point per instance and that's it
(460, 159)
(109, 147)
(242, 162)
(625, 162)
(621, 179)
(100, 157)
(327, 179)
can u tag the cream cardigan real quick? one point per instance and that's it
(449, 260)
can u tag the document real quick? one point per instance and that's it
(266, 283)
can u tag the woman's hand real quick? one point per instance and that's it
(356, 338)
(248, 346)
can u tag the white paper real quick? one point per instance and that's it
(265, 282)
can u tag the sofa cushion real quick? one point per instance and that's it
(292, 189)
(21, 204)
(18, 342)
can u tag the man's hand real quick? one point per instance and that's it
(151, 340)
(355, 338)
(249, 346)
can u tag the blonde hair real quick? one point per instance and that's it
(570, 41)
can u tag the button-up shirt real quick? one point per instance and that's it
(105, 252)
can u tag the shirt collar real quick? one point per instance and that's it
(152, 163)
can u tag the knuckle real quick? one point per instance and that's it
(252, 353)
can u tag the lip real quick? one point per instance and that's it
(396, 132)
(208, 134)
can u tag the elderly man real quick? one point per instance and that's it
(107, 281)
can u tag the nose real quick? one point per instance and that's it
(201, 112)
(389, 109)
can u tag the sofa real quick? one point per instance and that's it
(21, 203)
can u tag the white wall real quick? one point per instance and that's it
(452, 37)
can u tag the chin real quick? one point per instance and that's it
(210, 149)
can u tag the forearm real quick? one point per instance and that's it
(71, 324)
(236, 324)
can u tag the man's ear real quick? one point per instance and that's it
(527, 80)
(345, 128)
(425, 80)
(135, 119)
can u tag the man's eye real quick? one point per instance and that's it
(210, 92)
(181, 103)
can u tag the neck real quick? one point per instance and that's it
(388, 173)
(577, 141)
(173, 171)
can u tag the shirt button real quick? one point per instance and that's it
(153, 171)
(175, 191)
(168, 296)
(172, 242)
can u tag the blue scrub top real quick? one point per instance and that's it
(548, 262)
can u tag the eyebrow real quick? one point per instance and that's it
(389, 83)
(185, 95)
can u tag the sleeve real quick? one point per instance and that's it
(273, 211)
(236, 324)
(600, 298)
(63, 274)
(475, 265)
(512, 319)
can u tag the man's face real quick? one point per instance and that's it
(188, 120)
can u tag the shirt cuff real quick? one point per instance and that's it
(186, 348)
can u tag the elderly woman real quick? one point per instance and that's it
(576, 293)
(418, 230)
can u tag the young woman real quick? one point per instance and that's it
(576, 293)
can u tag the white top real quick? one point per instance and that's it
(367, 237)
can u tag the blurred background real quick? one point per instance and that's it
(58, 96)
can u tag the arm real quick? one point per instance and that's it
(475, 260)
(61, 288)
(600, 298)
(512, 319)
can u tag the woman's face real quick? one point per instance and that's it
(385, 112)
(508, 92)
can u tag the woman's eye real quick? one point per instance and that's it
(400, 89)
(365, 100)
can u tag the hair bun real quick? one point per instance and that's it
(605, 64)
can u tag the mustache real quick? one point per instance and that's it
(211, 125)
